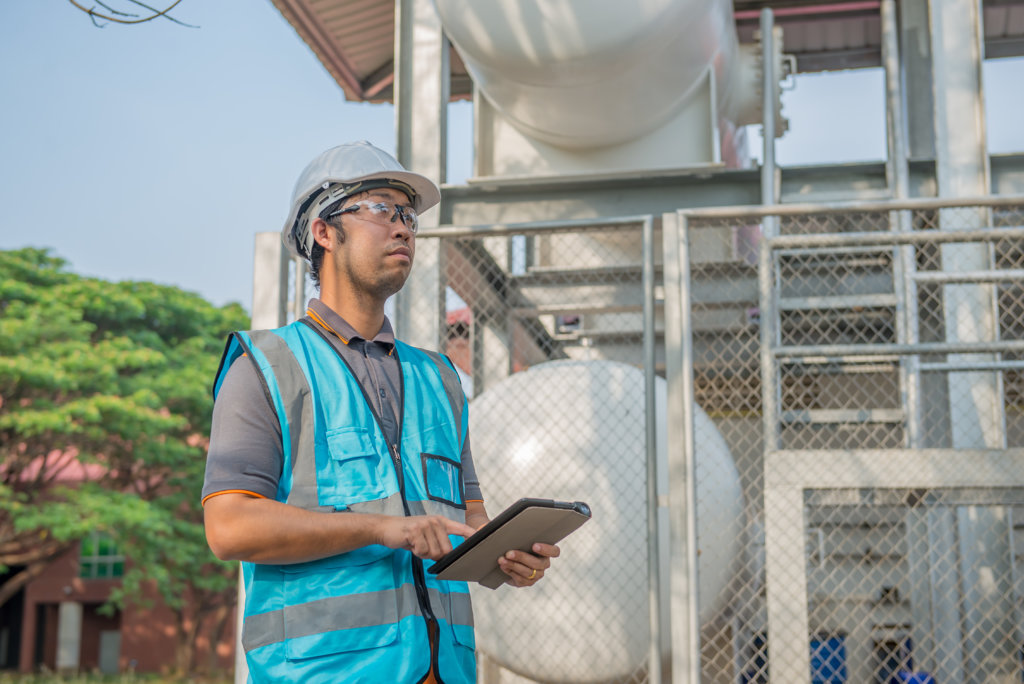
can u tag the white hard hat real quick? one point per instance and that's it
(346, 170)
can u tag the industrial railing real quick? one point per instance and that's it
(866, 375)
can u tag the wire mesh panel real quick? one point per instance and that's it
(866, 380)
(546, 326)
(915, 580)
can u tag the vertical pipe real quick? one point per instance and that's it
(690, 639)
(769, 185)
(904, 264)
(897, 169)
(678, 585)
(299, 295)
(654, 674)
(422, 89)
(769, 384)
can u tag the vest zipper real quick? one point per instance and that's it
(419, 579)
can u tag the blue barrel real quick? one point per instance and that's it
(828, 659)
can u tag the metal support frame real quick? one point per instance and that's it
(769, 86)
(685, 623)
(422, 89)
(659, 642)
(788, 474)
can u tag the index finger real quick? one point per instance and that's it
(461, 529)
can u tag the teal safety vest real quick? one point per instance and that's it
(362, 616)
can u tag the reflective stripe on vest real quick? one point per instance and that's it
(335, 458)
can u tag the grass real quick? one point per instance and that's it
(15, 678)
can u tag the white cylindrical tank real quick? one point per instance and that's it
(575, 430)
(592, 73)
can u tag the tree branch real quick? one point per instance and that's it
(93, 14)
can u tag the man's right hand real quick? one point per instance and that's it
(426, 536)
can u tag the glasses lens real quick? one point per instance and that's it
(409, 218)
(384, 213)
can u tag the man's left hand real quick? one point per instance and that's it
(525, 569)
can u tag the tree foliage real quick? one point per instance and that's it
(104, 411)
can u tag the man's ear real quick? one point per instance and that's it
(322, 233)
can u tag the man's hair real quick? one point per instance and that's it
(316, 253)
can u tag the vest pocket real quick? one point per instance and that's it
(443, 479)
(357, 471)
(332, 609)
(460, 618)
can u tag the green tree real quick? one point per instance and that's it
(104, 411)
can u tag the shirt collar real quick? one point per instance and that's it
(327, 318)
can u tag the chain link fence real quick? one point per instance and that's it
(552, 328)
(866, 378)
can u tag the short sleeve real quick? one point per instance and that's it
(245, 451)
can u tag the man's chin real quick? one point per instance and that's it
(392, 282)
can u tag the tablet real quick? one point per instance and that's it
(518, 527)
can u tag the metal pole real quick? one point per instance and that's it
(651, 430)
(690, 639)
(904, 261)
(766, 303)
(299, 295)
(769, 186)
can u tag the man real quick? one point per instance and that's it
(339, 457)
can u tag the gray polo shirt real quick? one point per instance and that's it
(245, 452)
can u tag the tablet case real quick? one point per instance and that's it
(518, 527)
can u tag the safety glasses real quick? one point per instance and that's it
(382, 213)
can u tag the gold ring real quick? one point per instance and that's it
(533, 574)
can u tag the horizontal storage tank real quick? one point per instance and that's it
(576, 430)
(593, 73)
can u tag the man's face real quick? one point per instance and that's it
(376, 252)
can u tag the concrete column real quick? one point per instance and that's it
(422, 89)
(69, 635)
(269, 281)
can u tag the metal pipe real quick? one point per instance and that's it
(834, 240)
(743, 212)
(769, 384)
(985, 276)
(651, 432)
(769, 187)
(977, 366)
(797, 354)
(862, 206)
(896, 167)
(299, 295)
(690, 639)
(502, 229)
(904, 262)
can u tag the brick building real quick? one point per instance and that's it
(55, 622)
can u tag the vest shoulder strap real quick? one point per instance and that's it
(450, 380)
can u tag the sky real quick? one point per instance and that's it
(156, 151)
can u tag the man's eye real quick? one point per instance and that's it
(378, 207)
